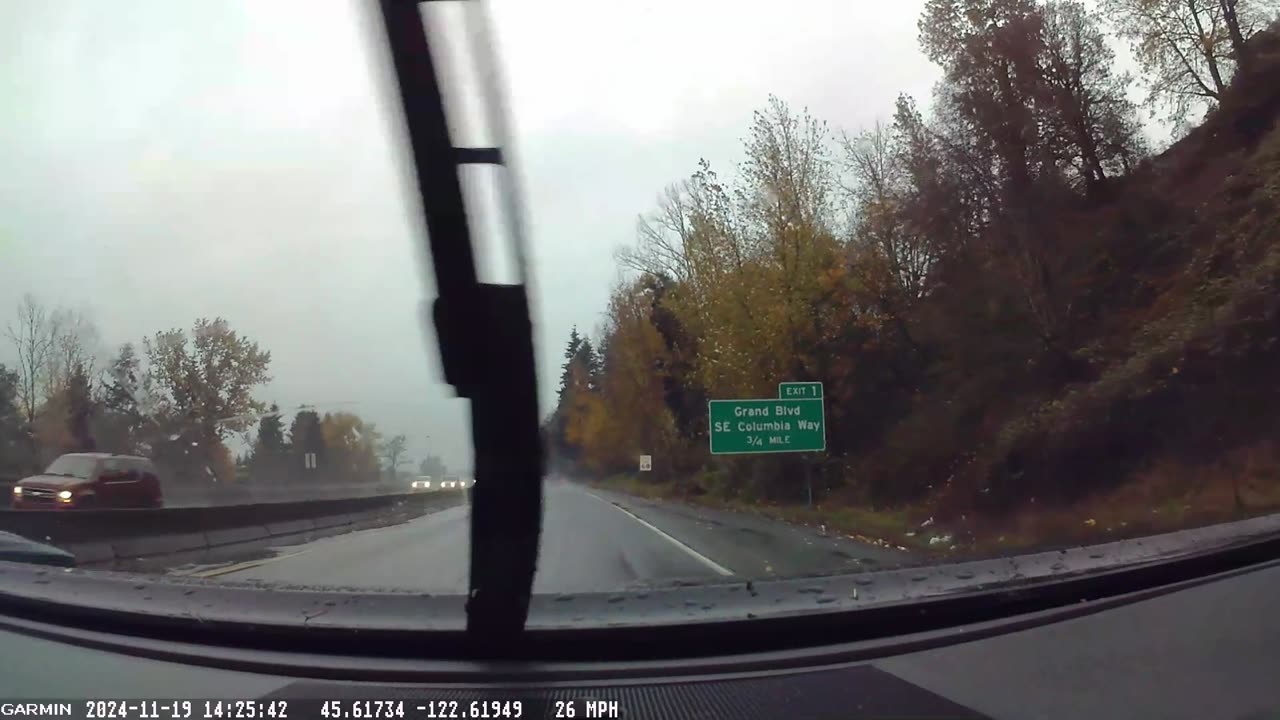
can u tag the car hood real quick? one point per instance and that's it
(15, 548)
(51, 481)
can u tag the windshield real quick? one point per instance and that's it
(871, 286)
(72, 466)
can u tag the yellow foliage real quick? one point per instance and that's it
(350, 440)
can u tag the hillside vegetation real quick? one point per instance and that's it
(1030, 329)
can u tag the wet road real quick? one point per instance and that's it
(592, 541)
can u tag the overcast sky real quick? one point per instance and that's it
(164, 160)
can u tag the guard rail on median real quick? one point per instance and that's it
(101, 535)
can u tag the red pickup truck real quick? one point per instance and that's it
(91, 480)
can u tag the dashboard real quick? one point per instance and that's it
(1209, 650)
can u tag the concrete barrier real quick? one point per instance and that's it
(331, 521)
(91, 552)
(292, 527)
(149, 545)
(231, 536)
(103, 534)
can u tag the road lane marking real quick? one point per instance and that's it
(694, 553)
(248, 565)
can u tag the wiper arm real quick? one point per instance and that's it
(486, 348)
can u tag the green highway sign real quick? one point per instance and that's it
(767, 426)
(800, 390)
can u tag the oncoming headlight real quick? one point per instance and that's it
(17, 490)
(64, 495)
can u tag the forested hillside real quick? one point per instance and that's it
(1022, 317)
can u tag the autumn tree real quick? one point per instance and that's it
(1092, 127)
(351, 445)
(891, 255)
(625, 413)
(989, 51)
(1022, 111)
(205, 383)
(1188, 49)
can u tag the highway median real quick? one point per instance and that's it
(104, 536)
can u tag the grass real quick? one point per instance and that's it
(1166, 496)
(880, 527)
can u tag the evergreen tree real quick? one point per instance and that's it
(571, 352)
(80, 410)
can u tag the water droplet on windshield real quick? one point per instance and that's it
(864, 580)
(814, 589)
(563, 598)
(616, 599)
(964, 574)
(825, 600)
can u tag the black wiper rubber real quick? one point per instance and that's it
(486, 348)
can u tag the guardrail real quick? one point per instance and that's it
(246, 493)
(101, 535)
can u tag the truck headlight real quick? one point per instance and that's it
(64, 495)
(17, 490)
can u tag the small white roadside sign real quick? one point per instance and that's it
(646, 463)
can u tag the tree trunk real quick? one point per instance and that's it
(1232, 19)
(1205, 50)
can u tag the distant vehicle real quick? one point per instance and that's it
(91, 480)
(421, 484)
(450, 482)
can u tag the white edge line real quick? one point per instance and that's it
(696, 555)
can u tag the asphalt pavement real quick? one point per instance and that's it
(592, 541)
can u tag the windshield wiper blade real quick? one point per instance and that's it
(486, 347)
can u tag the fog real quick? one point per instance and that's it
(164, 161)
